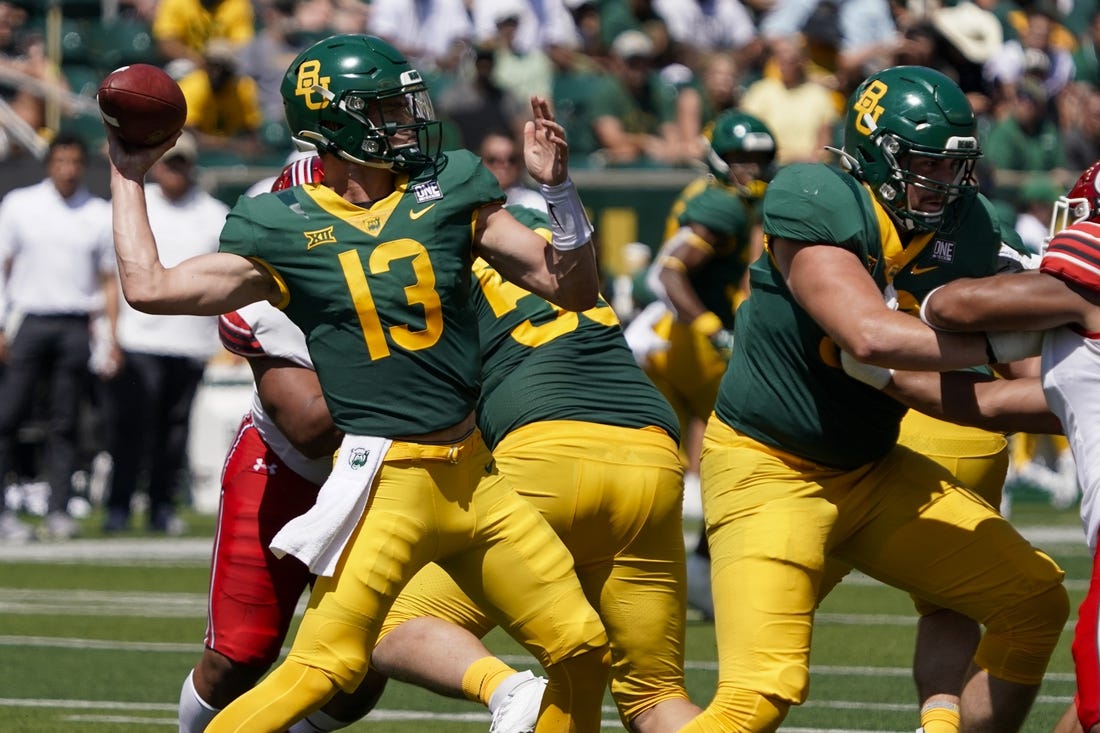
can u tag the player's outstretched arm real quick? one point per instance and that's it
(205, 285)
(564, 272)
(832, 286)
(1025, 301)
(978, 400)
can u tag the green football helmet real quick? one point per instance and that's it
(357, 97)
(735, 138)
(902, 113)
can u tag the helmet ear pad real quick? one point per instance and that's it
(334, 93)
(1081, 203)
(1087, 191)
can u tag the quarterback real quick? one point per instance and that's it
(373, 266)
(800, 461)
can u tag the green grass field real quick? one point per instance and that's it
(97, 635)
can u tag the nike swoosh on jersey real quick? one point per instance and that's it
(921, 270)
(414, 215)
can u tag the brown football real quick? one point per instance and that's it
(142, 103)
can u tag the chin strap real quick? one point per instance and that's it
(847, 160)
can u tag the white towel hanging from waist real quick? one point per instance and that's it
(317, 538)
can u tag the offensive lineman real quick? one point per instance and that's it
(801, 463)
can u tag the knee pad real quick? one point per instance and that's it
(738, 710)
(338, 647)
(1019, 640)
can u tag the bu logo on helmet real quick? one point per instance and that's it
(868, 104)
(309, 79)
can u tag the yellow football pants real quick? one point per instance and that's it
(446, 504)
(772, 520)
(977, 458)
(688, 372)
(614, 496)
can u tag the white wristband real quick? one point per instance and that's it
(1009, 346)
(924, 313)
(874, 376)
(568, 222)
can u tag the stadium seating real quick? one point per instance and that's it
(124, 41)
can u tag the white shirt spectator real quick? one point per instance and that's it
(862, 22)
(1054, 66)
(721, 24)
(424, 30)
(184, 229)
(542, 23)
(58, 248)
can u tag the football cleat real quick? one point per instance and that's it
(520, 710)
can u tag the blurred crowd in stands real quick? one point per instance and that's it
(634, 82)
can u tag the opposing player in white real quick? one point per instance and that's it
(1062, 299)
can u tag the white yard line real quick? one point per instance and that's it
(376, 715)
(143, 551)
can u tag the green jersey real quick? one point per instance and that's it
(784, 386)
(724, 212)
(543, 363)
(381, 293)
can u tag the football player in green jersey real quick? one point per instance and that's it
(709, 243)
(711, 236)
(585, 437)
(374, 267)
(800, 461)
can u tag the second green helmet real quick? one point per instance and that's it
(736, 137)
